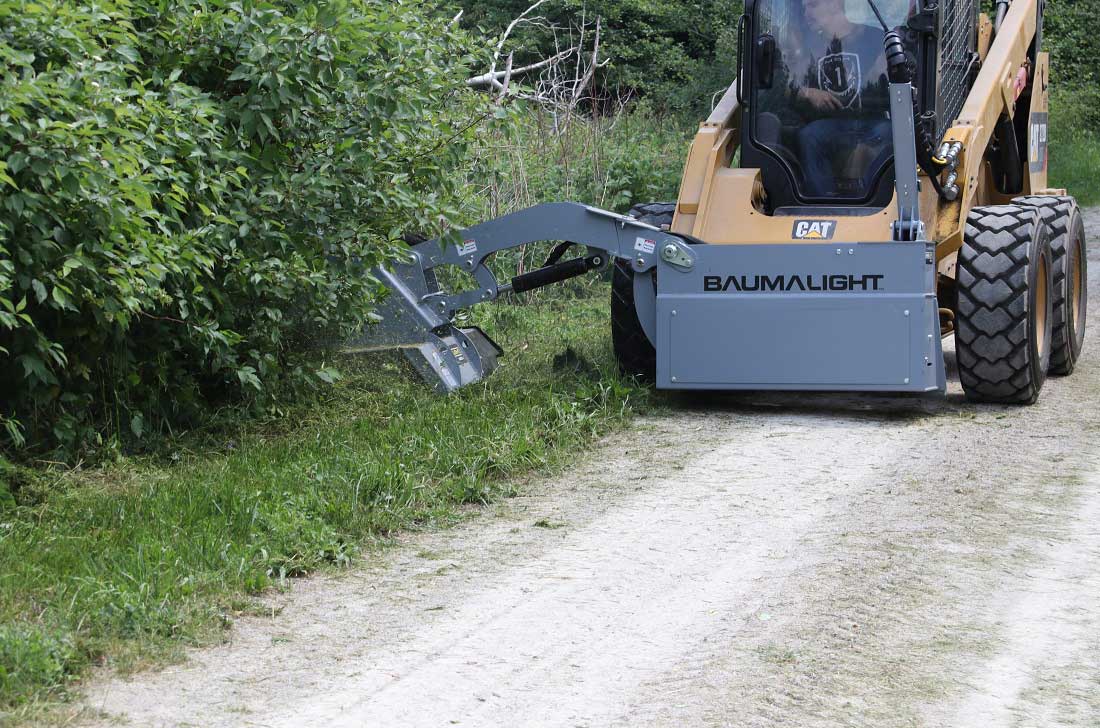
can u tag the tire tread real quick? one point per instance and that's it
(992, 339)
(1058, 212)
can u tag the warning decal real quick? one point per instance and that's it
(1038, 144)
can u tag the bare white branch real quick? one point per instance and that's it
(563, 80)
(487, 79)
(590, 72)
(507, 79)
(507, 32)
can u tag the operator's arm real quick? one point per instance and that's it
(818, 99)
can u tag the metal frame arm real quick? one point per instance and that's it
(994, 91)
(618, 235)
(418, 318)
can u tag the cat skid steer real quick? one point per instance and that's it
(889, 190)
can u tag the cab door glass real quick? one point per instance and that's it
(820, 95)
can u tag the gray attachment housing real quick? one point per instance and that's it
(857, 317)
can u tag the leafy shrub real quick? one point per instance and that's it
(192, 191)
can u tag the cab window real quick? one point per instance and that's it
(820, 96)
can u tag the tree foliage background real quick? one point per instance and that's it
(678, 52)
(1071, 36)
(191, 192)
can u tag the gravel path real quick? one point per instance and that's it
(750, 560)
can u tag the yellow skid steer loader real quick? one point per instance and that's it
(874, 181)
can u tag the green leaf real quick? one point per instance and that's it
(35, 369)
(128, 53)
(328, 375)
(247, 377)
(62, 299)
(137, 425)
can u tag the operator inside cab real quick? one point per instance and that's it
(823, 104)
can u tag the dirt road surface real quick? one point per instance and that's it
(750, 560)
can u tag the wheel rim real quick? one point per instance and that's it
(1041, 306)
(1077, 280)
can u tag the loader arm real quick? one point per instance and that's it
(418, 317)
(617, 235)
(993, 96)
(712, 149)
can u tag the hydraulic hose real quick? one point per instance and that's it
(999, 16)
(897, 60)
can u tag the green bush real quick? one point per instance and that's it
(191, 192)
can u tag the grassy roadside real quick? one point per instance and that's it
(124, 564)
(121, 566)
(1075, 143)
(1075, 164)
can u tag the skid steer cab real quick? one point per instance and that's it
(874, 181)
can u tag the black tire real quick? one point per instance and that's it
(633, 349)
(1005, 315)
(657, 214)
(1070, 266)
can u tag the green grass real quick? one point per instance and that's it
(1075, 165)
(123, 564)
(1075, 142)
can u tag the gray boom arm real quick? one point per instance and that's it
(417, 317)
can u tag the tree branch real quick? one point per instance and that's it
(489, 79)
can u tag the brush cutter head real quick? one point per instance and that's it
(445, 355)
